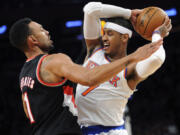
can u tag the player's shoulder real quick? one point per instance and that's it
(58, 56)
(56, 59)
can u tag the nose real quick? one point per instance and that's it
(47, 32)
(104, 38)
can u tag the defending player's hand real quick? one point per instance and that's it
(165, 28)
(147, 50)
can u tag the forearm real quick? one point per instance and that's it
(100, 10)
(148, 66)
(104, 72)
(93, 11)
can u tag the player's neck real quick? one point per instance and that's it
(117, 56)
(33, 53)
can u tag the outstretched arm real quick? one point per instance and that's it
(61, 66)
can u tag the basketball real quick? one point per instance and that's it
(149, 20)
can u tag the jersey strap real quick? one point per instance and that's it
(39, 78)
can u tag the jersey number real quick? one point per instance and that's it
(27, 108)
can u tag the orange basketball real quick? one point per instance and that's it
(149, 20)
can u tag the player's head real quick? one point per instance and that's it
(26, 34)
(117, 32)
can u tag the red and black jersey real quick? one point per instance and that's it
(50, 106)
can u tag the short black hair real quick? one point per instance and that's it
(19, 32)
(120, 21)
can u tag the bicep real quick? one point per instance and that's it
(75, 73)
(63, 66)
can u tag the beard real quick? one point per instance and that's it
(47, 49)
(51, 47)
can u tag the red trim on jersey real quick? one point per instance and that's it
(39, 78)
(30, 58)
(69, 91)
(28, 107)
(73, 100)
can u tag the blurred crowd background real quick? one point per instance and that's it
(153, 110)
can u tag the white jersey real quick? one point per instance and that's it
(103, 104)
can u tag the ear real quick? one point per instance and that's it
(125, 37)
(31, 40)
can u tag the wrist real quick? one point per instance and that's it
(156, 32)
(132, 57)
(128, 14)
(156, 36)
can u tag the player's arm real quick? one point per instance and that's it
(147, 67)
(93, 11)
(61, 66)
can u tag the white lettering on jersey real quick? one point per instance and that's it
(27, 81)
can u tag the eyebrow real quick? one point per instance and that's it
(108, 30)
(40, 26)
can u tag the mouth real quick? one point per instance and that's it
(49, 37)
(106, 46)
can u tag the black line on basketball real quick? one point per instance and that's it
(150, 20)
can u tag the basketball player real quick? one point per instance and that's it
(101, 107)
(47, 93)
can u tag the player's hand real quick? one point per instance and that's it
(147, 50)
(134, 14)
(165, 28)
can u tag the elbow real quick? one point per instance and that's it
(92, 83)
(162, 57)
(159, 56)
(92, 8)
(157, 62)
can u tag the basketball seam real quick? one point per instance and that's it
(149, 21)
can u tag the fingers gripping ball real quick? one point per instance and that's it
(148, 20)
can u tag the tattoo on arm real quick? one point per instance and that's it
(163, 30)
(45, 75)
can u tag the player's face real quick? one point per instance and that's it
(41, 36)
(112, 42)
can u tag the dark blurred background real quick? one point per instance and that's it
(155, 107)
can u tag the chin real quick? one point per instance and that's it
(51, 47)
(107, 51)
(51, 42)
